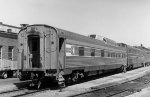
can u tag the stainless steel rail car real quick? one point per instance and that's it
(135, 56)
(146, 54)
(46, 51)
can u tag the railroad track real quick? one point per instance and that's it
(116, 93)
(122, 93)
(109, 91)
(120, 90)
(20, 92)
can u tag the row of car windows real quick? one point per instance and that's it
(97, 52)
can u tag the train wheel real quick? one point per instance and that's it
(39, 84)
(123, 68)
(4, 75)
(131, 67)
(20, 76)
(75, 77)
(68, 79)
(81, 75)
(61, 84)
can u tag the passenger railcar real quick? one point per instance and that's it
(8, 54)
(146, 53)
(46, 51)
(135, 56)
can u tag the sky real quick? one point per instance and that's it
(124, 21)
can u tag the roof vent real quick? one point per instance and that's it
(24, 25)
(9, 30)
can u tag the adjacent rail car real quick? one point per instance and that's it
(146, 53)
(135, 56)
(8, 54)
(64, 56)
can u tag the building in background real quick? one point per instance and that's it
(8, 49)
